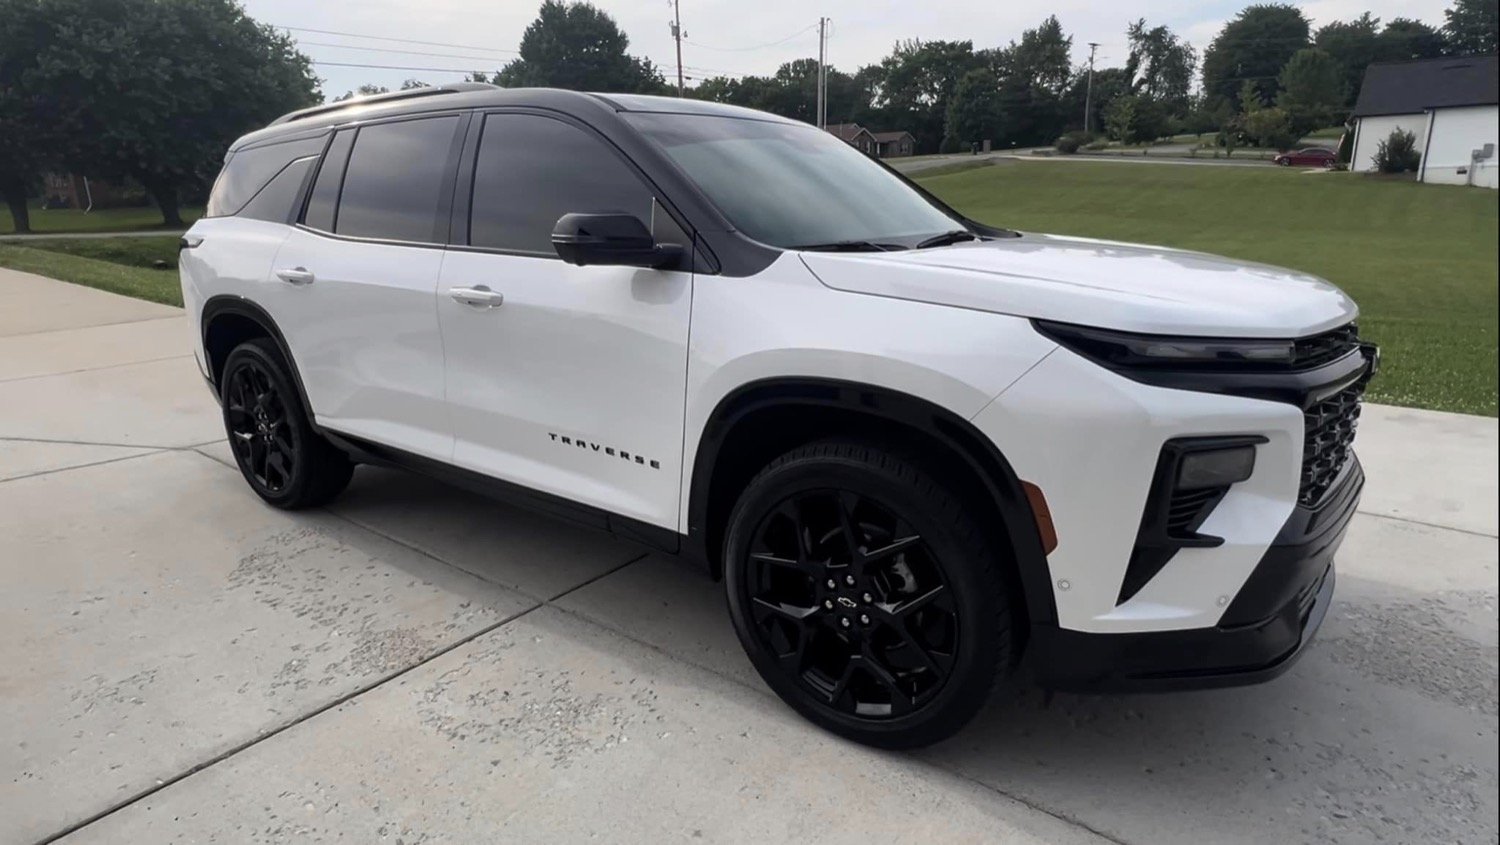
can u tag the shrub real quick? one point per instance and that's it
(950, 144)
(1271, 127)
(1398, 153)
(1070, 142)
(1096, 146)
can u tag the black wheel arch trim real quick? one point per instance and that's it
(228, 304)
(888, 405)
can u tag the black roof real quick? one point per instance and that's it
(462, 95)
(1416, 86)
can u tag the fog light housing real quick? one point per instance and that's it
(1215, 468)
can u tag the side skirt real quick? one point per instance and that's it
(634, 530)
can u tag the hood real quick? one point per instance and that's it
(1153, 290)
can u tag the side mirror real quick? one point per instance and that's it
(610, 238)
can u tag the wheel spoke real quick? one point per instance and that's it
(904, 609)
(845, 502)
(789, 612)
(775, 560)
(900, 701)
(893, 548)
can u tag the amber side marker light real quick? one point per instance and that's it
(1044, 527)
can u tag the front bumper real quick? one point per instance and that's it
(1262, 633)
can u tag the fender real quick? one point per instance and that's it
(228, 304)
(885, 406)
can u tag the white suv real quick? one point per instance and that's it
(920, 452)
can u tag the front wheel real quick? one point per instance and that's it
(867, 597)
(286, 462)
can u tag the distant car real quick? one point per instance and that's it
(1310, 157)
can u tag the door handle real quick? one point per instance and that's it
(478, 296)
(295, 276)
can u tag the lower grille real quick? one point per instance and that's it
(1330, 426)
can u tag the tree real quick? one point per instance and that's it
(1471, 27)
(915, 82)
(1119, 119)
(25, 146)
(1034, 75)
(198, 75)
(1352, 45)
(1312, 91)
(974, 110)
(1403, 39)
(369, 89)
(1161, 66)
(1271, 127)
(1253, 47)
(578, 47)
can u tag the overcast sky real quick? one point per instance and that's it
(737, 37)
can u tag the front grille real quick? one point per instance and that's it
(1330, 428)
(1319, 349)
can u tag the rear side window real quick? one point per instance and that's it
(248, 171)
(394, 186)
(324, 199)
(531, 170)
(275, 200)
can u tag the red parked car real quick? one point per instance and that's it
(1310, 157)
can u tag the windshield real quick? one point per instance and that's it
(792, 185)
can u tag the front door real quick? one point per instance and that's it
(569, 380)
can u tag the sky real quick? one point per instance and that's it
(736, 37)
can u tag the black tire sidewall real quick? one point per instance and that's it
(983, 648)
(304, 439)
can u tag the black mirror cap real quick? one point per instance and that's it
(610, 238)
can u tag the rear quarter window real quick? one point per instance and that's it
(246, 172)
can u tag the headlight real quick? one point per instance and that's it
(1125, 350)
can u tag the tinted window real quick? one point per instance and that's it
(247, 171)
(792, 185)
(275, 200)
(324, 198)
(394, 186)
(532, 170)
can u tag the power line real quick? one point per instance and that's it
(398, 40)
(394, 50)
(397, 67)
(756, 46)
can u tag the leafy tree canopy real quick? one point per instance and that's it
(1312, 91)
(1161, 65)
(1471, 27)
(579, 47)
(1253, 47)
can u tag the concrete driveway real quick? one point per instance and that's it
(182, 663)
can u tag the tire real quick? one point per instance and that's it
(895, 645)
(285, 461)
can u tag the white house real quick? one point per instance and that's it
(1452, 106)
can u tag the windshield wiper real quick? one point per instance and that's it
(849, 246)
(946, 238)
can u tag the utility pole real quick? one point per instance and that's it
(821, 116)
(1088, 95)
(677, 34)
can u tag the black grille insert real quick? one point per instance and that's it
(1319, 349)
(1330, 426)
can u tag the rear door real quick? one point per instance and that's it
(353, 287)
(564, 379)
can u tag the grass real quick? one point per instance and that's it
(1419, 259)
(68, 220)
(119, 265)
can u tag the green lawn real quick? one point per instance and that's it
(120, 265)
(61, 220)
(1420, 259)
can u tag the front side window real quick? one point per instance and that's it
(791, 185)
(394, 183)
(531, 170)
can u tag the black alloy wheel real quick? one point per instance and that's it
(285, 460)
(851, 602)
(866, 595)
(264, 444)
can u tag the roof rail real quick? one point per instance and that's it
(377, 99)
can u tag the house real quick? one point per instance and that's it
(855, 136)
(894, 144)
(878, 144)
(1451, 105)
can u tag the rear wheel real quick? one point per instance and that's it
(285, 461)
(866, 596)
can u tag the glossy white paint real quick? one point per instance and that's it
(574, 386)
(1090, 440)
(232, 257)
(1099, 283)
(364, 334)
